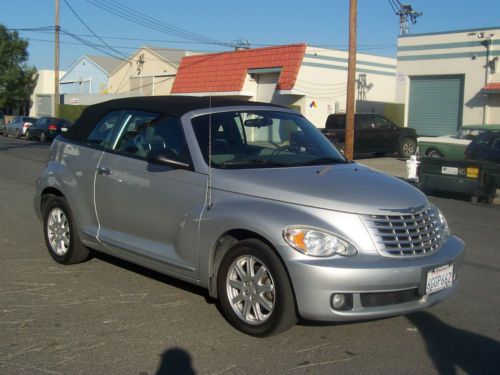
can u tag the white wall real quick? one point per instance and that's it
(44, 86)
(451, 53)
(322, 79)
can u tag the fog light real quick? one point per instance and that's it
(342, 301)
(338, 301)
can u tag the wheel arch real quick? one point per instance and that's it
(433, 149)
(49, 191)
(223, 246)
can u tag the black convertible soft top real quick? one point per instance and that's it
(169, 105)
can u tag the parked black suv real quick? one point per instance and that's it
(485, 146)
(373, 133)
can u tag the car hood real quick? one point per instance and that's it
(341, 187)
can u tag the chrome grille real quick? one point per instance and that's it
(406, 235)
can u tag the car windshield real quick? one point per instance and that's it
(261, 139)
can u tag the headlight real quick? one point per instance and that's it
(317, 243)
(444, 224)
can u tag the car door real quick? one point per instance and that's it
(365, 135)
(150, 213)
(494, 154)
(384, 134)
(36, 128)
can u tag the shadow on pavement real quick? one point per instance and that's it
(175, 361)
(152, 274)
(27, 145)
(451, 347)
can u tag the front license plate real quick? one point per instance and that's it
(439, 278)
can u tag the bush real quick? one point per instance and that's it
(71, 112)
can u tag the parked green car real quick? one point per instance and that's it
(451, 146)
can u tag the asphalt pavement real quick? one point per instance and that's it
(107, 316)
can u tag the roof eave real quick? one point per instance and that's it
(291, 92)
(216, 93)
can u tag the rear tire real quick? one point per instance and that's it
(407, 147)
(255, 293)
(60, 232)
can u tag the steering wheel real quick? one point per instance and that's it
(139, 139)
(291, 148)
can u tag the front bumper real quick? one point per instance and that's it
(315, 281)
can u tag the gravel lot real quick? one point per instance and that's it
(110, 317)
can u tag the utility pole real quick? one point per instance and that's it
(351, 79)
(56, 63)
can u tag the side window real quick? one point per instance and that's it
(105, 130)
(496, 144)
(144, 132)
(364, 123)
(335, 121)
(381, 123)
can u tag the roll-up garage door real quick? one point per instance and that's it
(436, 104)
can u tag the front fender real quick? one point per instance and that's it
(267, 218)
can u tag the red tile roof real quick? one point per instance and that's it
(492, 86)
(226, 71)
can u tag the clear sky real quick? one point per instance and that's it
(261, 22)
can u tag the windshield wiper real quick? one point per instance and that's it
(253, 162)
(324, 161)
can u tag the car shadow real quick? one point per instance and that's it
(451, 347)
(175, 361)
(146, 272)
(27, 145)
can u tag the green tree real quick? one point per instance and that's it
(17, 79)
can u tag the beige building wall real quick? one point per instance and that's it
(145, 74)
(454, 53)
(322, 80)
(44, 88)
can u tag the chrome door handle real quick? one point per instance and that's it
(104, 171)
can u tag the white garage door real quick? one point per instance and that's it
(435, 105)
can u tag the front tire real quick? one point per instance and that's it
(60, 232)
(435, 154)
(255, 293)
(407, 147)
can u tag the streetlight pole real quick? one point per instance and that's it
(56, 62)
(351, 78)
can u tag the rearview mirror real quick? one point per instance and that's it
(258, 122)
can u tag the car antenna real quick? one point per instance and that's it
(209, 183)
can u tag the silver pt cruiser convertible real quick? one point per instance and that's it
(250, 201)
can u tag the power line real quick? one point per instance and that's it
(92, 45)
(311, 47)
(175, 29)
(91, 31)
(151, 23)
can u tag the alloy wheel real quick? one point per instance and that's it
(58, 231)
(250, 289)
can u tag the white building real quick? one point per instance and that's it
(449, 79)
(43, 94)
(309, 79)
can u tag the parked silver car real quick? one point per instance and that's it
(250, 201)
(18, 126)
